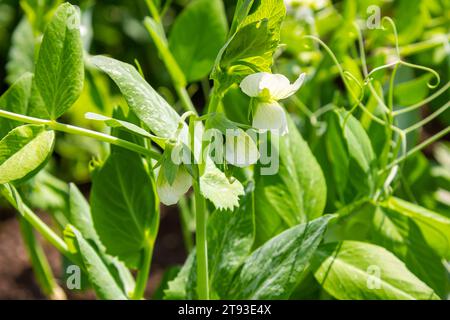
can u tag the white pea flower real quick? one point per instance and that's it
(268, 89)
(241, 149)
(170, 194)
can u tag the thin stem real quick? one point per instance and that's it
(423, 102)
(201, 225)
(427, 119)
(185, 98)
(39, 262)
(201, 244)
(384, 158)
(419, 147)
(417, 47)
(185, 217)
(81, 132)
(153, 10)
(214, 101)
(144, 272)
(344, 79)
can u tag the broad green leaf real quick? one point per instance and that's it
(272, 10)
(338, 157)
(353, 270)
(79, 215)
(39, 12)
(21, 53)
(125, 125)
(230, 240)
(49, 194)
(401, 235)
(273, 270)
(197, 36)
(24, 151)
(15, 99)
(123, 205)
(360, 150)
(146, 103)
(60, 67)
(413, 91)
(352, 142)
(250, 49)
(295, 194)
(102, 280)
(242, 9)
(435, 228)
(409, 29)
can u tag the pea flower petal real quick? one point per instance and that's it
(277, 86)
(270, 116)
(171, 194)
(241, 150)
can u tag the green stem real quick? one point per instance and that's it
(427, 119)
(144, 272)
(390, 117)
(185, 98)
(200, 223)
(81, 132)
(39, 262)
(185, 217)
(423, 102)
(153, 10)
(419, 147)
(201, 244)
(214, 101)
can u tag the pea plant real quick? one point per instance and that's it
(300, 172)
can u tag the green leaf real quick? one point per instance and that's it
(197, 35)
(353, 270)
(296, 194)
(401, 235)
(15, 99)
(24, 151)
(338, 156)
(169, 275)
(60, 67)
(230, 239)
(146, 103)
(213, 180)
(272, 10)
(79, 215)
(435, 228)
(413, 91)
(124, 205)
(183, 286)
(21, 53)
(102, 280)
(273, 270)
(350, 151)
(250, 49)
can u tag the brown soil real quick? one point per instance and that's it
(17, 278)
